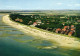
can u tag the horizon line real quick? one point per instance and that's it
(35, 9)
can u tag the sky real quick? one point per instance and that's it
(39, 4)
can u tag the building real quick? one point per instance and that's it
(38, 21)
(34, 24)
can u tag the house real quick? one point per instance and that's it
(47, 23)
(42, 23)
(71, 33)
(72, 27)
(17, 19)
(30, 22)
(62, 17)
(63, 31)
(78, 20)
(66, 27)
(38, 24)
(20, 20)
(31, 16)
(34, 24)
(38, 21)
(58, 30)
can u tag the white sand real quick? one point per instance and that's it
(62, 40)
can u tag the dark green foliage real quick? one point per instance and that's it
(5, 12)
(77, 34)
(14, 16)
(50, 23)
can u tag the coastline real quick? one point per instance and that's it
(63, 41)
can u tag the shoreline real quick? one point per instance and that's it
(63, 41)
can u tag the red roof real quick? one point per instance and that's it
(34, 23)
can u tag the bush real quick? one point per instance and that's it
(13, 16)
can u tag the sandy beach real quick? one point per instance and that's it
(62, 41)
